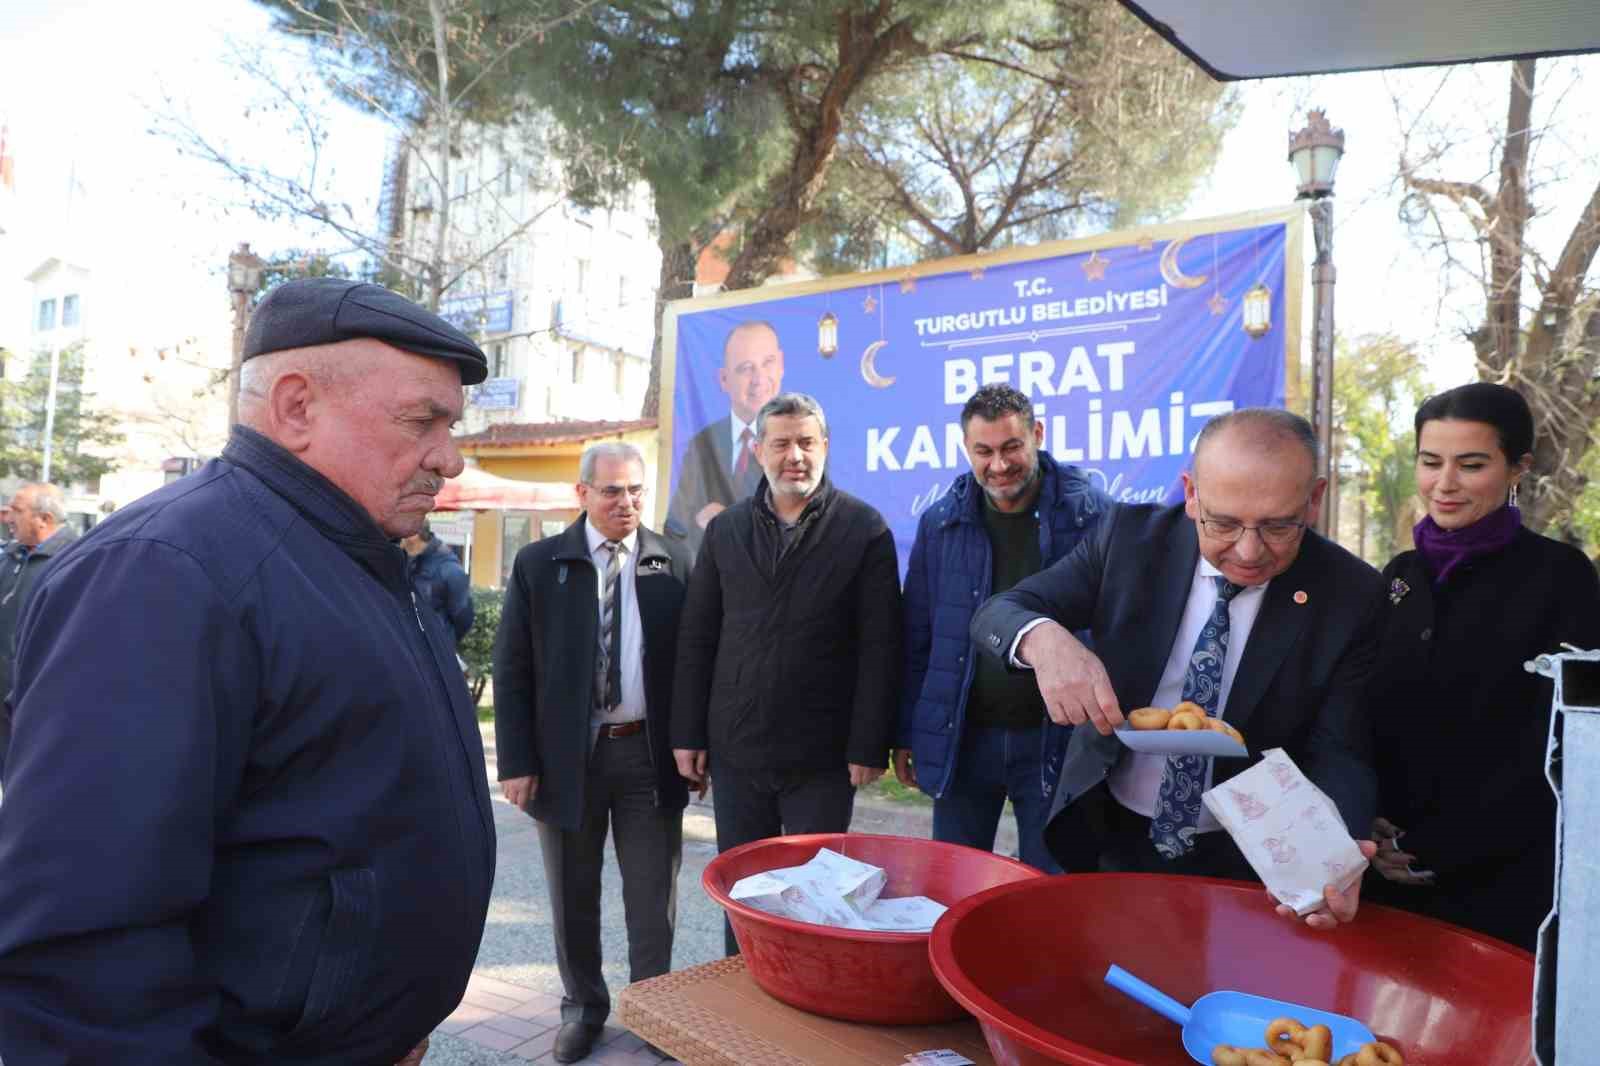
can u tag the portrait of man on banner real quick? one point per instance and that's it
(718, 466)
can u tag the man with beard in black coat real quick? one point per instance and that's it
(788, 661)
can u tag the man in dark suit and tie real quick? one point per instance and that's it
(719, 467)
(1229, 601)
(583, 675)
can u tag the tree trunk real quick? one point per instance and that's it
(1506, 246)
(676, 283)
(445, 116)
(792, 193)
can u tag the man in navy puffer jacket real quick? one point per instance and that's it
(246, 819)
(971, 734)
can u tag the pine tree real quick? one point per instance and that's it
(82, 437)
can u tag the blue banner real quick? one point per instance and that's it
(1126, 351)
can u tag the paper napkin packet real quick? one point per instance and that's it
(1289, 830)
(833, 889)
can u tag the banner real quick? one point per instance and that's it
(1126, 344)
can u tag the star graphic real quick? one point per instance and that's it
(977, 273)
(908, 284)
(869, 305)
(1217, 304)
(1146, 242)
(1094, 267)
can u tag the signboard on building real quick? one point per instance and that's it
(479, 312)
(452, 527)
(1126, 344)
(497, 394)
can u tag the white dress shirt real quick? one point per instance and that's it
(632, 707)
(1136, 779)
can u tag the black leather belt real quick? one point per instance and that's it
(622, 729)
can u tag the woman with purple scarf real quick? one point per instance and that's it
(1468, 827)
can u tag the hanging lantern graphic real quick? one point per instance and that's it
(827, 335)
(1257, 312)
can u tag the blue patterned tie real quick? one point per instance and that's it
(1172, 827)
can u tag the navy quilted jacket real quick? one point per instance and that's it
(947, 581)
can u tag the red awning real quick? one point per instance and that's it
(478, 490)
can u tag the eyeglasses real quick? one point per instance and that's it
(1229, 531)
(613, 493)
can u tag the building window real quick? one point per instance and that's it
(577, 366)
(461, 182)
(622, 290)
(516, 532)
(499, 367)
(69, 310)
(47, 314)
(502, 268)
(508, 181)
(581, 281)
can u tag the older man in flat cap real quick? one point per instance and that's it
(245, 815)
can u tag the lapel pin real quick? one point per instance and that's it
(1300, 596)
(1398, 590)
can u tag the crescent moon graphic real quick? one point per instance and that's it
(1171, 273)
(869, 371)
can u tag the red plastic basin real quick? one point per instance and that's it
(1029, 961)
(884, 978)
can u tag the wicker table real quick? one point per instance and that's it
(715, 1015)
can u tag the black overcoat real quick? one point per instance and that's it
(544, 657)
(1460, 728)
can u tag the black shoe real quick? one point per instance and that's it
(576, 1040)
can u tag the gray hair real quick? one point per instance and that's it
(258, 375)
(608, 449)
(790, 404)
(45, 499)
(1266, 426)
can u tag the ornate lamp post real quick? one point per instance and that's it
(1315, 152)
(244, 281)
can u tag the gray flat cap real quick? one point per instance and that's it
(312, 311)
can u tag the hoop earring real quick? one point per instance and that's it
(1511, 501)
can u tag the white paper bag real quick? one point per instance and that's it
(1289, 830)
(904, 914)
(831, 889)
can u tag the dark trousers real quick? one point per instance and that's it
(620, 789)
(756, 804)
(991, 765)
(1126, 848)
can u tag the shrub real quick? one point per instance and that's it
(477, 647)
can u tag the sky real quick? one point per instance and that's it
(82, 82)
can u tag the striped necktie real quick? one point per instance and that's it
(1177, 814)
(608, 666)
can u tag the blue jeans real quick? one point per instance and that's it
(992, 765)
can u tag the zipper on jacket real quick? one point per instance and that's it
(417, 612)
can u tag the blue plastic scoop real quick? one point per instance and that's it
(1236, 1018)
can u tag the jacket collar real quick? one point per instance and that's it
(328, 508)
(966, 495)
(574, 544)
(814, 506)
(54, 542)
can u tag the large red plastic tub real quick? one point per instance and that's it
(1029, 961)
(884, 978)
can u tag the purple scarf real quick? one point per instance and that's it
(1443, 550)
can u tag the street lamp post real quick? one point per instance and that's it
(244, 281)
(1315, 152)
